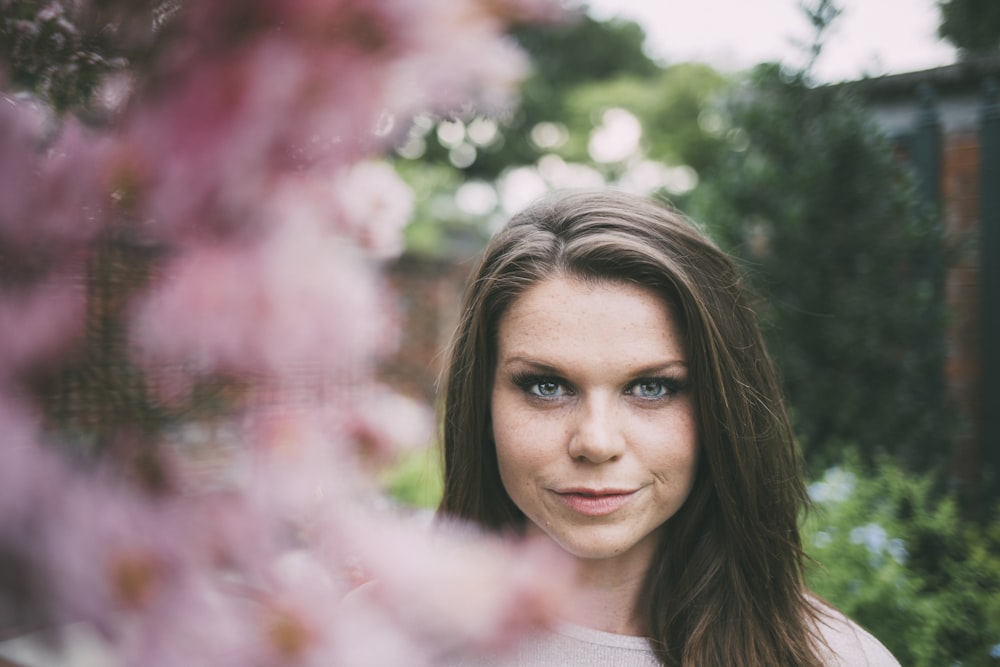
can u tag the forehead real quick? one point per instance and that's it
(569, 320)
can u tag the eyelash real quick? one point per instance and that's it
(528, 382)
(669, 386)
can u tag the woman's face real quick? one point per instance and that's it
(592, 415)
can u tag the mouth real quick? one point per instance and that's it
(595, 502)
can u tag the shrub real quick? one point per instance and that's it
(892, 553)
(831, 231)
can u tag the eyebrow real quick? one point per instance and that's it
(555, 370)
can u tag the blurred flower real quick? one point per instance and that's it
(835, 487)
(244, 148)
(23, 127)
(876, 540)
(367, 203)
(52, 185)
(376, 204)
(38, 322)
(386, 423)
(457, 591)
(872, 535)
(822, 539)
(302, 465)
(897, 549)
(215, 125)
(459, 58)
(298, 299)
(30, 476)
(108, 550)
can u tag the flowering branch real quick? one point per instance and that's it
(191, 308)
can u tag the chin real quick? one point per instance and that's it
(595, 549)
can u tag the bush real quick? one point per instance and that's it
(892, 553)
(416, 480)
(831, 231)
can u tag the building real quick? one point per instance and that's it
(946, 122)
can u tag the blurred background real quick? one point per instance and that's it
(847, 153)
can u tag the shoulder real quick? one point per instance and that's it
(847, 644)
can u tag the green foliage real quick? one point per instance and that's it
(438, 225)
(829, 226)
(971, 25)
(670, 105)
(893, 554)
(61, 55)
(821, 14)
(586, 50)
(416, 479)
(581, 69)
(563, 56)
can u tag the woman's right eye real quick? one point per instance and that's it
(546, 388)
(541, 387)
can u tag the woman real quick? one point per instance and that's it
(609, 389)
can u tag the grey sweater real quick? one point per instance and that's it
(849, 646)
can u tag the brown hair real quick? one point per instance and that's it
(726, 588)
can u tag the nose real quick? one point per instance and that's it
(596, 435)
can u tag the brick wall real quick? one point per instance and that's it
(429, 295)
(963, 365)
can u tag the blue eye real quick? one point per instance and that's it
(541, 387)
(650, 389)
(546, 388)
(655, 388)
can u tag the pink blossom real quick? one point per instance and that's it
(249, 154)
(459, 58)
(385, 423)
(108, 550)
(51, 178)
(217, 122)
(30, 475)
(376, 202)
(296, 300)
(461, 592)
(204, 621)
(36, 323)
(22, 130)
(301, 464)
(367, 203)
(195, 152)
(72, 205)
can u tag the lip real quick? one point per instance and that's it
(595, 502)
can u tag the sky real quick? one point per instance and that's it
(871, 37)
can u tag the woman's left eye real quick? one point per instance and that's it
(653, 388)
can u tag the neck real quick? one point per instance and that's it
(608, 603)
(609, 593)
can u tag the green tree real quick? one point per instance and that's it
(829, 226)
(581, 69)
(973, 26)
(672, 105)
(564, 57)
(892, 552)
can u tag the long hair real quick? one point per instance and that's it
(726, 586)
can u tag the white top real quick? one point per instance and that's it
(849, 646)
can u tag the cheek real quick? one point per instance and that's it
(505, 434)
(514, 453)
(677, 455)
(523, 445)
